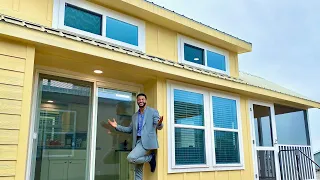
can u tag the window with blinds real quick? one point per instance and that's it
(225, 130)
(205, 130)
(189, 128)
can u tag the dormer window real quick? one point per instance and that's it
(203, 56)
(94, 21)
(82, 19)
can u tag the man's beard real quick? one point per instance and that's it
(144, 104)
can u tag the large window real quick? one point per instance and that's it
(205, 127)
(201, 55)
(88, 19)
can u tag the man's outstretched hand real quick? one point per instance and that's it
(160, 120)
(113, 123)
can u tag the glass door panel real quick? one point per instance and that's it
(113, 147)
(61, 126)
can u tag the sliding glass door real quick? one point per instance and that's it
(61, 129)
(71, 138)
(112, 147)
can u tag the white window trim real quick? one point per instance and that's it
(58, 22)
(206, 47)
(209, 130)
(239, 130)
(171, 142)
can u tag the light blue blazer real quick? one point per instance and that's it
(148, 134)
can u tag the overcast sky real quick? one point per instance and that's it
(285, 36)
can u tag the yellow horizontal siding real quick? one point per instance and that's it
(10, 106)
(191, 176)
(7, 178)
(12, 63)
(8, 121)
(175, 176)
(15, 75)
(9, 137)
(10, 92)
(161, 42)
(6, 4)
(207, 175)
(7, 168)
(222, 175)
(9, 48)
(234, 175)
(11, 77)
(8, 152)
(31, 10)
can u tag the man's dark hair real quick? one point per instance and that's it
(142, 94)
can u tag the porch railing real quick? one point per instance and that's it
(295, 163)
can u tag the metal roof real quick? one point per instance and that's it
(197, 21)
(244, 78)
(265, 84)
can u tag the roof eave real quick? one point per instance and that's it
(40, 35)
(181, 24)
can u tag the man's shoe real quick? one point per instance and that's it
(153, 162)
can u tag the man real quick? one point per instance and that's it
(143, 126)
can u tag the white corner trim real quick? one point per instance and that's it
(207, 47)
(208, 127)
(58, 22)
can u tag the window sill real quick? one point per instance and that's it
(206, 169)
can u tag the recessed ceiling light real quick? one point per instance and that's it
(50, 101)
(196, 59)
(98, 71)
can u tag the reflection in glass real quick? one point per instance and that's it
(189, 146)
(224, 113)
(193, 54)
(188, 108)
(82, 19)
(122, 31)
(216, 60)
(227, 147)
(292, 127)
(113, 147)
(62, 127)
(262, 124)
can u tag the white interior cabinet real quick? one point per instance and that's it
(64, 167)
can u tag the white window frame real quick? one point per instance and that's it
(206, 47)
(239, 130)
(58, 22)
(208, 127)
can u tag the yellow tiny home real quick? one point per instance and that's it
(69, 65)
